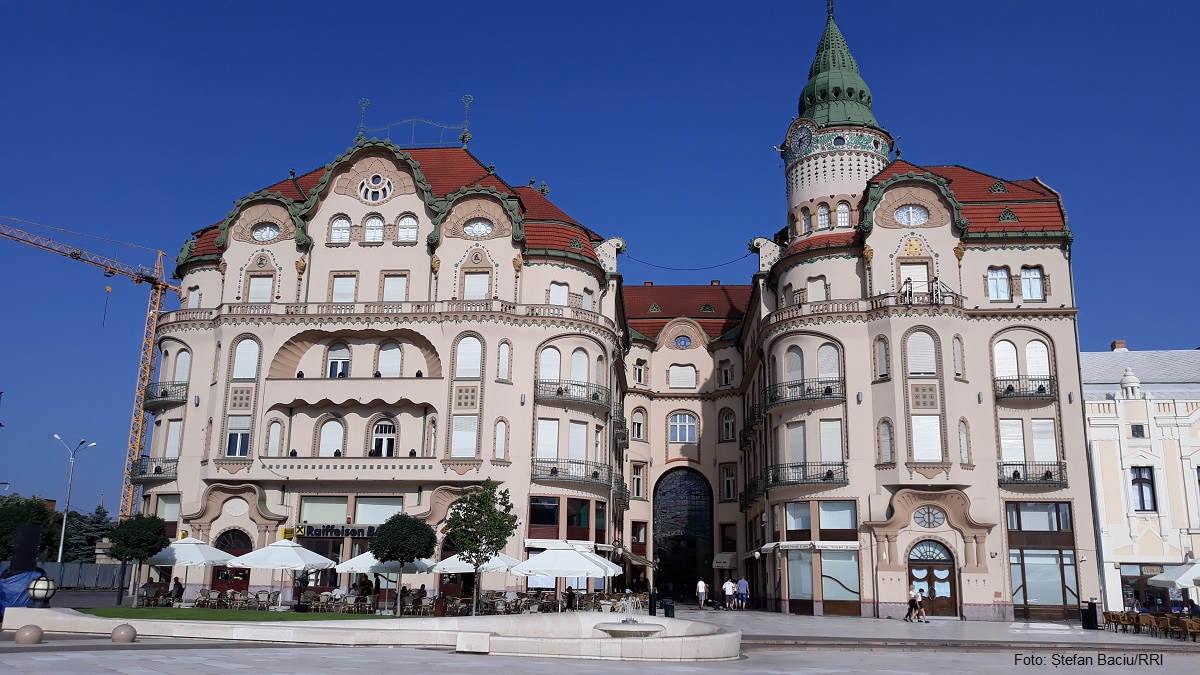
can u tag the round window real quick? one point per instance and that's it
(911, 215)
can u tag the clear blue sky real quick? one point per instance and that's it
(654, 121)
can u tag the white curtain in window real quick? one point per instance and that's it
(800, 575)
(323, 510)
(502, 368)
(183, 363)
(274, 438)
(886, 447)
(843, 215)
(395, 288)
(881, 358)
(796, 453)
(579, 366)
(798, 516)
(918, 273)
(558, 294)
(1045, 445)
(922, 354)
(836, 515)
(245, 360)
(340, 231)
(682, 377)
(827, 362)
(168, 508)
(806, 218)
(260, 289)
(958, 357)
(822, 217)
(376, 510)
(550, 366)
(1004, 355)
(464, 441)
(389, 360)
(174, 428)
(468, 358)
(1037, 359)
(475, 285)
(794, 365)
(547, 440)
(407, 229)
(639, 421)
(193, 298)
(839, 575)
(577, 441)
(998, 284)
(374, 229)
(1031, 283)
(927, 438)
(831, 440)
(343, 289)
(586, 303)
(1012, 441)
(963, 443)
(501, 438)
(331, 438)
(816, 290)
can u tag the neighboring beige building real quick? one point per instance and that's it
(1143, 418)
(893, 399)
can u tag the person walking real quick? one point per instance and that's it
(743, 591)
(701, 592)
(730, 593)
(921, 618)
(912, 603)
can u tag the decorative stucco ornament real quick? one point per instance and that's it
(959, 251)
(301, 265)
(868, 254)
(517, 263)
(435, 263)
(222, 267)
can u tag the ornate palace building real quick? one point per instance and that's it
(893, 399)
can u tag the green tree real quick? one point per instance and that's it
(17, 510)
(83, 532)
(403, 539)
(480, 524)
(138, 538)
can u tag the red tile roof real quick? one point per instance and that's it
(205, 245)
(728, 304)
(538, 207)
(448, 169)
(558, 238)
(822, 239)
(308, 181)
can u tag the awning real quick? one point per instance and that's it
(725, 561)
(637, 559)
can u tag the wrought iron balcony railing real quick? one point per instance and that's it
(754, 415)
(620, 490)
(813, 389)
(572, 471)
(1043, 386)
(754, 490)
(806, 473)
(573, 392)
(153, 468)
(1033, 473)
(163, 395)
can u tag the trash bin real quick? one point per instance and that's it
(439, 606)
(653, 604)
(669, 608)
(1089, 616)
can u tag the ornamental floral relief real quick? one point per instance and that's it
(263, 214)
(374, 181)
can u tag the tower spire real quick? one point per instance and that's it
(831, 10)
(835, 93)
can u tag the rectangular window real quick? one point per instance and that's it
(1137, 430)
(237, 443)
(882, 364)
(796, 452)
(1043, 577)
(543, 510)
(839, 575)
(343, 289)
(927, 438)
(727, 374)
(728, 482)
(1045, 445)
(682, 377)
(816, 290)
(577, 441)
(193, 298)
(637, 427)
(998, 284)
(800, 574)
(599, 454)
(637, 479)
(1031, 284)
(728, 427)
(639, 372)
(837, 515)
(798, 516)
(465, 438)
(559, 294)
(728, 538)
(914, 278)
(1012, 441)
(547, 440)
(373, 232)
(578, 522)
(1039, 516)
(174, 428)
(395, 288)
(260, 289)
(476, 285)
(1144, 498)
(376, 510)
(586, 302)
(168, 508)
(831, 440)
(323, 510)
(682, 428)
(637, 532)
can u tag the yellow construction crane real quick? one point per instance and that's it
(158, 288)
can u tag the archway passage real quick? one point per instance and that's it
(234, 542)
(683, 532)
(931, 569)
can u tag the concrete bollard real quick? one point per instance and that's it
(124, 633)
(29, 635)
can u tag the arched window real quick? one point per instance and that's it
(339, 360)
(389, 360)
(339, 231)
(406, 230)
(1032, 287)
(374, 229)
(234, 541)
(682, 428)
(431, 449)
(1004, 354)
(883, 366)
(245, 360)
(579, 366)
(816, 290)
(922, 354)
(728, 426)
(501, 439)
(587, 300)
(274, 439)
(843, 214)
(793, 365)
(598, 373)
(827, 362)
(332, 434)
(958, 356)
(504, 361)
(638, 425)
(383, 439)
(786, 298)
(964, 442)
(549, 364)
(823, 217)
(998, 284)
(887, 452)
(806, 216)
(183, 364)
(1037, 360)
(468, 358)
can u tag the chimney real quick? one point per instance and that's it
(1118, 346)
(647, 283)
(715, 282)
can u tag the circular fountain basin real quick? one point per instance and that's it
(617, 629)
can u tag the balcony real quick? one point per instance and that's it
(754, 416)
(620, 491)
(815, 389)
(1033, 474)
(163, 395)
(754, 490)
(568, 391)
(1041, 387)
(806, 473)
(572, 471)
(148, 469)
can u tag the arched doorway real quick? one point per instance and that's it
(683, 532)
(235, 542)
(931, 568)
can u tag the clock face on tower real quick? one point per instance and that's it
(801, 140)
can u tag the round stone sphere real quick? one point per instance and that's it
(29, 635)
(124, 633)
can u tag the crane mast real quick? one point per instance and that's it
(156, 278)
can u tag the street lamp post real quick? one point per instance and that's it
(62, 537)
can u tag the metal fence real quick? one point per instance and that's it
(84, 575)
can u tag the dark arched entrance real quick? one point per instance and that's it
(235, 542)
(460, 585)
(931, 569)
(683, 532)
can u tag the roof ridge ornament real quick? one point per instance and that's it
(1007, 216)
(363, 104)
(466, 136)
(831, 10)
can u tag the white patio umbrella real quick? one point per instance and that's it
(456, 565)
(283, 555)
(189, 552)
(367, 563)
(566, 562)
(1184, 576)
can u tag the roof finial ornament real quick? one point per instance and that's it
(544, 189)
(362, 118)
(466, 136)
(831, 10)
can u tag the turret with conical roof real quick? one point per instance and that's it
(835, 93)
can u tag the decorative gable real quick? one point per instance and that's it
(707, 308)
(654, 308)
(998, 188)
(1007, 216)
